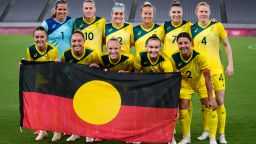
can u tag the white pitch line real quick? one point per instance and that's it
(252, 47)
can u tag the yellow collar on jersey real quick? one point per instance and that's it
(205, 25)
(78, 58)
(41, 53)
(114, 63)
(176, 25)
(117, 27)
(191, 54)
(147, 29)
(88, 22)
(153, 63)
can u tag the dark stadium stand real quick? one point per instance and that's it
(3, 6)
(189, 9)
(25, 10)
(161, 6)
(241, 11)
(162, 10)
(103, 8)
(227, 11)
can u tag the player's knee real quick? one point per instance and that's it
(184, 104)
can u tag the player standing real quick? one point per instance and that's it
(173, 27)
(59, 27)
(118, 28)
(207, 36)
(92, 26)
(147, 28)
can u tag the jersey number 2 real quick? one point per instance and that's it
(188, 73)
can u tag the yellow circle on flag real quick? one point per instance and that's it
(97, 102)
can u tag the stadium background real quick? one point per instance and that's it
(19, 17)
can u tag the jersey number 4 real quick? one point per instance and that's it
(204, 41)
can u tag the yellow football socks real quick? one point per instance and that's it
(221, 111)
(212, 119)
(204, 118)
(190, 110)
(185, 122)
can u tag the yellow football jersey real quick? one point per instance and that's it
(141, 35)
(50, 53)
(89, 56)
(93, 32)
(207, 40)
(125, 62)
(191, 69)
(124, 35)
(143, 62)
(171, 33)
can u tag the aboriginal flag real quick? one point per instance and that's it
(73, 98)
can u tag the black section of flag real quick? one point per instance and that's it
(63, 79)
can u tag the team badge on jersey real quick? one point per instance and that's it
(53, 26)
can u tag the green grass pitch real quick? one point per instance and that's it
(240, 95)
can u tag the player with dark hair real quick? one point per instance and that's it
(173, 27)
(41, 50)
(152, 60)
(195, 71)
(80, 55)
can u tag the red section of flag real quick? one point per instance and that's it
(132, 124)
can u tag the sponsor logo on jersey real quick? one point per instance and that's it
(53, 26)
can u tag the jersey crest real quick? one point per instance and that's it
(145, 62)
(168, 27)
(110, 29)
(81, 24)
(35, 54)
(179, 62)
(196, 29)
(70, 58)
(53, 25)
(108, 64)
(139, 32)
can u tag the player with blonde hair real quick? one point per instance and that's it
(207, 37)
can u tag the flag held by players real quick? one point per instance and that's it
(72, 98)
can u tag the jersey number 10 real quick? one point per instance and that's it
(89, 36)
